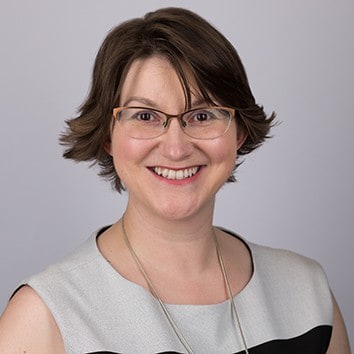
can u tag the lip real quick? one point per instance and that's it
(175, 175)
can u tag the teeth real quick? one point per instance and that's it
(173, 174)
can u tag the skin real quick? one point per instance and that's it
(154, 83)
(171, 221)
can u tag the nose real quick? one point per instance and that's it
(174, 143)
(181, 122)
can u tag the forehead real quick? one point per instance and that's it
(157, 80)
(145, 69)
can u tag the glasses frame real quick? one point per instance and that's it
(182, 123)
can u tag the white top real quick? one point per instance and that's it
(98, 310)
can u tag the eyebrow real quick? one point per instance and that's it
(142, 100)
(151, 103)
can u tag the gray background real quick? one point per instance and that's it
(296, 192)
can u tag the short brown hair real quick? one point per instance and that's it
(191, 45)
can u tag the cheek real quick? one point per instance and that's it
(224, 155)
(227, 158)
(128, 153)
(225, 150)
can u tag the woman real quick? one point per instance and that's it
(169, 110)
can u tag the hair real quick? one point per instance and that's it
(192, 46)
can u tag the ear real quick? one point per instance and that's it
(108, 144)
(108, 147)
(241, 136)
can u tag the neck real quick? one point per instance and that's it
(185, 245)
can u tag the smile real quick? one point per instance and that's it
(175, 174)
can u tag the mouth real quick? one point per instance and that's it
(175, 174)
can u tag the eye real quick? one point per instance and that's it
(200, 116)
(142, 116)
(145, 116)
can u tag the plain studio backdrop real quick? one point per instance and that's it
(296, 192)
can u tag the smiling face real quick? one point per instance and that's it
(173, 176)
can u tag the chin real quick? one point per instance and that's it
(175, 214)
(179, 211)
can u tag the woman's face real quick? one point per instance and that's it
(153, 82)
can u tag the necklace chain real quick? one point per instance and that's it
(162, 305)
(236, 317)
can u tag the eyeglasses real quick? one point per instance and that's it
(200, 123)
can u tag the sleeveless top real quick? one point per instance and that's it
(285, 308)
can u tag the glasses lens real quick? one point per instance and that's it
(207, 123)
(201, 123)
(141, 123)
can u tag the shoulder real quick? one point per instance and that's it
(284, 264)
(38, 304)
(75, 265)
(286, 277)
(295, 283)
(27, 323)
(61, 283)
(274, 263)
(339, 341)
(290, 283)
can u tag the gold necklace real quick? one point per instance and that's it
(163, 307)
